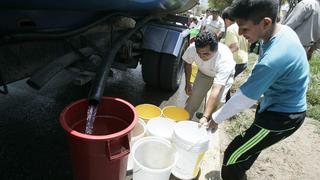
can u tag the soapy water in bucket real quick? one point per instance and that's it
(103, 125)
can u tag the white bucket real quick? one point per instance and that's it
(191, 143)
(161, 127)
(153, 159)
(138, 132)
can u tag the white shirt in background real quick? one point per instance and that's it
(206, 20)
(216, 25)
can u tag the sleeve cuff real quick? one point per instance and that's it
(237, 103)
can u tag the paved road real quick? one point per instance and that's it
(32, 143)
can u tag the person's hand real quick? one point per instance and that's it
(188, 89)
(210, 125)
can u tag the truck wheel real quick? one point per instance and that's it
(150, 68)
(171, 69)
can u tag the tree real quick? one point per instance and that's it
(219, 4)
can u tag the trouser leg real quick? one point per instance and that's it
(244, 149)
(239, 69)
(200, 88)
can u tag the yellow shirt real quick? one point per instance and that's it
(232, 36)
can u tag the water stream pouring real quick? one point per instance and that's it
(91, 115)
(99, 82)
(103, 152)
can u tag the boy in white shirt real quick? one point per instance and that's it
(215, 70)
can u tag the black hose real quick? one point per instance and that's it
(99, 82)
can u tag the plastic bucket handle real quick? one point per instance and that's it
(123, 152)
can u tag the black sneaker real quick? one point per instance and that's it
(199, 115)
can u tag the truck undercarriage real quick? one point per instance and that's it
(39, 44)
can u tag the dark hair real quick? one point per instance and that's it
(194, 19)
(214, 10)
(255, 10)
(226, 14)
(205, 38)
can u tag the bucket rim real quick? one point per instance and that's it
(150, 105)
(153, 124)
(154, 138)
(89, 137)
(164, 109)
(202, 144)
(144, 126)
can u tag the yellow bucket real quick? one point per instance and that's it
(175, 113)
(148, 111)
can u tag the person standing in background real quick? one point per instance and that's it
(237, 44)
(193, 22)
(214, 23)
(305, 21)
(206, 19)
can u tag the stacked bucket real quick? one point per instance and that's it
(169, 144)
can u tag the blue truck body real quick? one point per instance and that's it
(32, 23)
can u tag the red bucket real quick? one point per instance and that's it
(103, 155)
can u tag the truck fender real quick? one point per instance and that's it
(164, 39)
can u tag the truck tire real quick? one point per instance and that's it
(150, 68)
(171, 69)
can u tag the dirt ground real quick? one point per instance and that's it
(294, 158)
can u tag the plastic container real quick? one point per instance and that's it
(161, 127)
(148, 111)
(191, 143)
(153, 159)
(175, 113)
(138, 132)
(104, 154)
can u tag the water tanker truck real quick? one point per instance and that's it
(40, 38)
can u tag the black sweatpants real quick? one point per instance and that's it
(267, 129)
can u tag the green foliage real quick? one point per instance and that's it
(314, 112)
(219, 4)
(313, 94)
